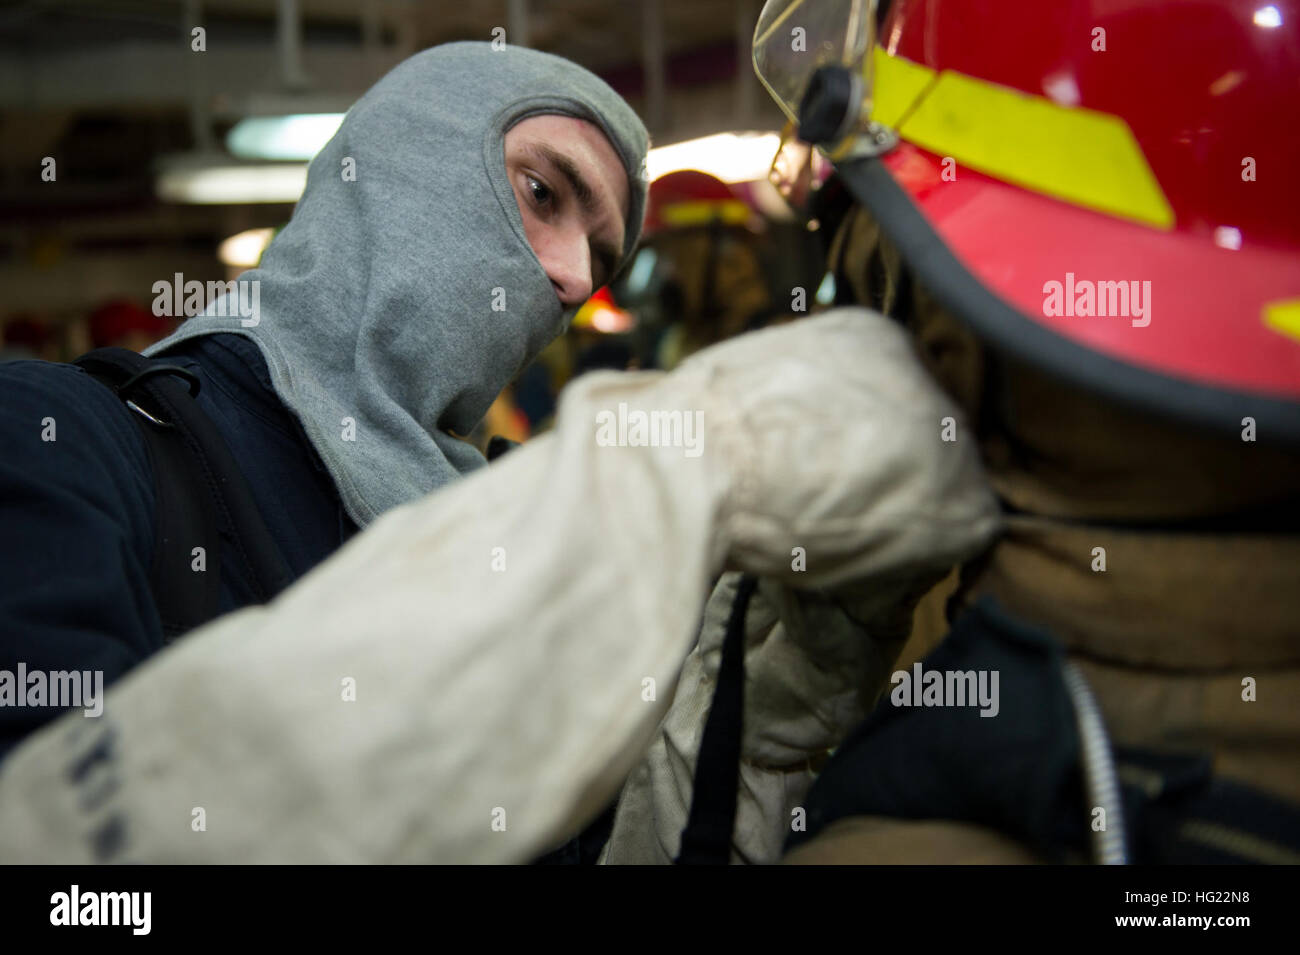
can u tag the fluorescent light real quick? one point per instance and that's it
(244, 249)
(298, 136)
(732, 157)
(216, 185)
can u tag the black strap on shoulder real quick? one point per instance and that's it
(706, 840)
(200, 491)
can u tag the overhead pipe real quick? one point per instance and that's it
(200, 120)
(371, 38)
(517, 22)
(288, 30)
(746, 87)
(652, 63)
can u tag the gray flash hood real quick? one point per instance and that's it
(399, 301)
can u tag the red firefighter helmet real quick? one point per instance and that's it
(1105, 188)
(688, 198)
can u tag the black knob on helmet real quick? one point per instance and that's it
(829, 106)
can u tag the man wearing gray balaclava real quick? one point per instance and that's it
(468, 203)
(404, 294)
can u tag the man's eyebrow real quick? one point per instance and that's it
(611, 257)
(586, 198)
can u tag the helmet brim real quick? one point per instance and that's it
(985, 250)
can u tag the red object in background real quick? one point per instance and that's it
(686, 188)
(602, 314)
(1202, 86)
(115, 323)
(26, 333)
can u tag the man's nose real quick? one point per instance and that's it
(569, 270)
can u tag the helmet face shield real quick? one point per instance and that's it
(795, 38)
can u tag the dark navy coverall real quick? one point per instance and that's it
(77, 512)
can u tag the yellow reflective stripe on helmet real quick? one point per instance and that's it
(1082, 156)
(896, 86)
(704, 211)
(1283, 317)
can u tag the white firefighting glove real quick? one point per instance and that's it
(813, 671)
(467, 679)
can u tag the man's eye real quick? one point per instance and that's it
(541, 194)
